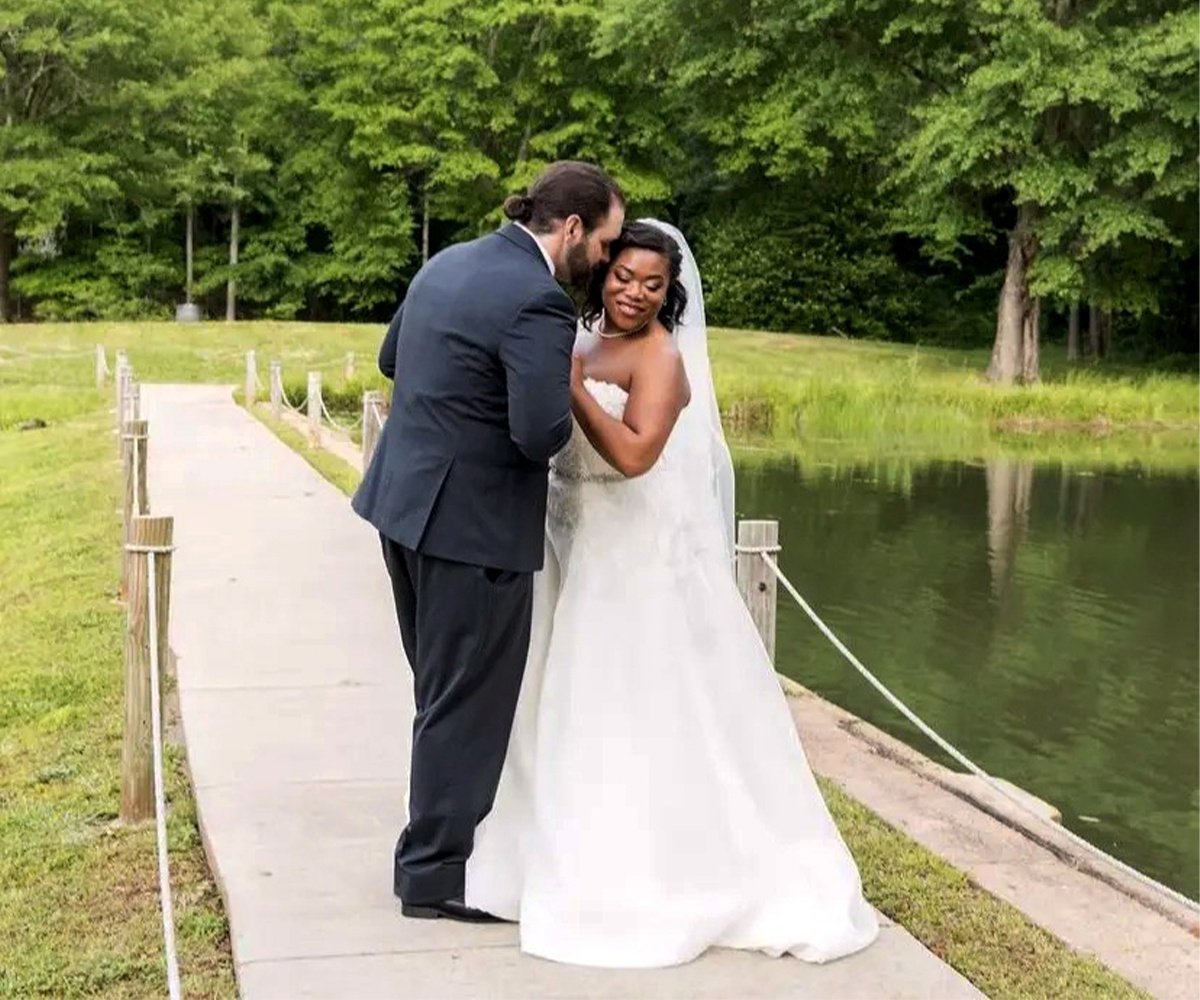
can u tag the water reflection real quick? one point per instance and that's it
(1043, 619)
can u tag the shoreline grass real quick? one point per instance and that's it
(986, 939)
(79, 908)
(812, 398)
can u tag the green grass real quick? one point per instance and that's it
(78, 892)
(823, 399)
(831, 399)
(989, 941)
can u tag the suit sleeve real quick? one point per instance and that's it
(536, 353)
(387, 350)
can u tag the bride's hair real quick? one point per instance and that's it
(641, 236)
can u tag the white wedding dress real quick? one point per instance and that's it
(655, 800)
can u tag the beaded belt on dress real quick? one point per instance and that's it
(586, 477)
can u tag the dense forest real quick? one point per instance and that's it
(973, 172)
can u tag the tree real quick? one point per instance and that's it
(62, 63)
(1067, 127)
(1079, 117)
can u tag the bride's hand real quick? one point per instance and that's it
(576, 372)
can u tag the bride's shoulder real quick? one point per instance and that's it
(662, 362)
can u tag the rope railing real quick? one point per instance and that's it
(16, 354)
(767, 554)
(297, 408)
(145, 587)
(334, 424)
(160, 798)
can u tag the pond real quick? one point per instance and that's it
(1043, 619)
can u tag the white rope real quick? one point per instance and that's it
(974, 768)
(160, 806)
(333, 423)
(16, 354)
(288, 403)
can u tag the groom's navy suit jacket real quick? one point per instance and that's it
(480, 355)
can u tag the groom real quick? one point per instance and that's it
(480, 352)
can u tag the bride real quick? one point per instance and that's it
(655, 800)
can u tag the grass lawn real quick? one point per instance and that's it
(990, 942)
(79, 910)
(819, 398)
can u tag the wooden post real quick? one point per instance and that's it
(137, 750)
(123, 380)
(350, 366)
(119, 388)
(276, 389)
(135, 436)
(755, 579)
(133, 400)
(251, 379)
(101, 366)
(314, 407)
(374, 407)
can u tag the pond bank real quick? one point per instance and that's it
(1088, 905)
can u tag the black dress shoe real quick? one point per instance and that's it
(448, 909)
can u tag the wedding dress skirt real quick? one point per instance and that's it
(655, 800)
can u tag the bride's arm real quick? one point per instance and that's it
(657, 395)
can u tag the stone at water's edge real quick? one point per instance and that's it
(977, 788)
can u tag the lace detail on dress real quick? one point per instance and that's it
(579, 461)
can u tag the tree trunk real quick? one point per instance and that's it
(425, 225)
(1106, 337)
(1031, 336)
(6, 256)
(191, 225)
(1094, 321)
(1073, 333)
(1017, 314)
(231, 286)
(1009, 492)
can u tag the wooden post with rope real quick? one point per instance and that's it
(147, 535)
(276, 389)
(135, 436)
(754, 577)
(375, 408)
(101, 366)
(314, 408)
(121, 381)
(251, 379)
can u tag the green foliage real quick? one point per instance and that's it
(800, 259)
(843, 166)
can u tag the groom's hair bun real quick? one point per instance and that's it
(519, 207)
(566, 188)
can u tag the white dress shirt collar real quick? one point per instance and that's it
(545, 255)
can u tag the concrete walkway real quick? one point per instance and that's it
(296, 711)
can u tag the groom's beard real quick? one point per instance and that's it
(579, 268)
